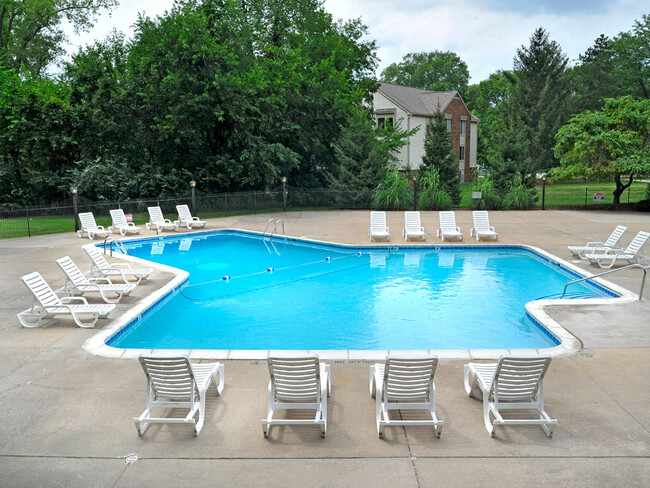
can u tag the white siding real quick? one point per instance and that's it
(416, 141)
(380, 102)
(473, 141)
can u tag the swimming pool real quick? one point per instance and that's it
(248, 293)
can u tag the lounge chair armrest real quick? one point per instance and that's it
(458, 229)
(492, 228)
(116, 266)
(167, 221)
(83, 300)
(97, 279)
(594, 244)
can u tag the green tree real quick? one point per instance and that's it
(439, 153)
(541, 76)
(431, 195)
(437, 70)
(632, 54)
(608, 143)
(596, 76)
(364, 153)
(30, 30)
(393, 192)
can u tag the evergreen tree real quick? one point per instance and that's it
(541, 75)
(439, 153)
(595, 77)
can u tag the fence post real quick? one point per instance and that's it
(74, 206)
(254, 201)
(586, 189)
(29, 232)
(415, 193)
(225, 198)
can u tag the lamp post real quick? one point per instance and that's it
(415, 193)
(543, 191)
(193, 186)
(73, 190)
(284, 193)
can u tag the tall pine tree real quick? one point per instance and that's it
(541, 76)
(439, 153)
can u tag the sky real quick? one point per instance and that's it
(484, 33)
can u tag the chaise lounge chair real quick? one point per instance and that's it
(594, 247)
(412, 226)
(175, 382)
(482, 227)
(512, 383)
(77, 284)
(298, 383)
(90, 227)
(405, 383)
(102, 268)
(158, 222)
(120, 223)
(47, 304)
(378, 227)
(632, 253)
(185, 217)
(448, 227)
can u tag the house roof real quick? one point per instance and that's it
(418, 101)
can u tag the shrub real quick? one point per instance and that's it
(393, 193)
(431, 195)
(642, 206)
(519, 196)
(490, 199)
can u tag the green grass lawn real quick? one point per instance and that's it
(571, 194)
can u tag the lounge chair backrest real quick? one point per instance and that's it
(412, 220)
(169, 377)
(71, 270)
(637, 243)
(616, 235)
(97, 257)
(378, 220)
(481, 220)
(87, 220)
(447, 220)
(155, 215)
(119, 219)
(184, 213)
(295, 379)
(409, 379)
(40, 289)
(518, 378)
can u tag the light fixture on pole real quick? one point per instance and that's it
(73, 190)
(193, 186)
(284, 193)
(415, 193)
(543, 191)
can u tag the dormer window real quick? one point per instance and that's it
(383, 121)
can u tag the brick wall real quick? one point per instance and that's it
(457, 110)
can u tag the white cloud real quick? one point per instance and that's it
(485, 34)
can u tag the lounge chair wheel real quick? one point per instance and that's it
(381, 436)
(266, 435)
(322, 434)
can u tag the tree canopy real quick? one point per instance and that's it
(610, 143)
(436, 70)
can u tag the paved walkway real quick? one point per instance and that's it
(65, 415)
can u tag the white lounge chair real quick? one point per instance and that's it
(175, 382)
(412, 226)
(632, 253)
(595, 246)
(405, 383)
(512, 383)
(298, 383)
(448, 227)
(77, 284)
(90, 227)
(101, 267)
(482, 227)
(47, 304)
(378, 227)
(158, 222)
(185, 217)
(120, 223)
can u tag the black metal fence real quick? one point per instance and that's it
(30, 221)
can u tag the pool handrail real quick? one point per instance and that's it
(634, 265)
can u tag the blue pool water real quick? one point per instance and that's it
(321, 297)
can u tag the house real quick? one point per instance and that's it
(415, 107)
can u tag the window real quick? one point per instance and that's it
(382, 121)
(463, 126)
(461, 153)
(448, 122)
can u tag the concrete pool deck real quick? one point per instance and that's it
(65, 415)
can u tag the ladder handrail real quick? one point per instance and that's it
(275, 227)
(609, 271)
(110, 241)
(267, 226)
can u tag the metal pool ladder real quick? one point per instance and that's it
(119, 244)
(279, 221)
(635, 265)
